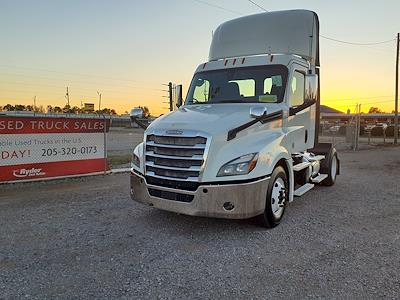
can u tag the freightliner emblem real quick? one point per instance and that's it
(174, 131)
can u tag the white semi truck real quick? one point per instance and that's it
(245, 141)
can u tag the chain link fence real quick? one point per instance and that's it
(350, 135)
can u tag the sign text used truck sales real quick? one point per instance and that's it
(39, 147)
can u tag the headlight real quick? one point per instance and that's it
(135, 161)
(239, 166)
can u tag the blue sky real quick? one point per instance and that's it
(127, 49)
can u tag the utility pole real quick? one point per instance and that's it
(99, 100)
(396, 101)
(356, 129)
(171, 91)
(171, 108)
(358, 126)
(34, 105)
(67, 96)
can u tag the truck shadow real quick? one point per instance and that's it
(196, 224)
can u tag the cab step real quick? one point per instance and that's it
(301, 166)
(317, 157)
(319, 178)
(303, 189)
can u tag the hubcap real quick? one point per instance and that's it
(278, 197)
(334, 168)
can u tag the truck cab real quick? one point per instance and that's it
(244, 142)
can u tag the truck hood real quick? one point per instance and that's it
(214, 119)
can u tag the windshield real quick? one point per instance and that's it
(265, 84)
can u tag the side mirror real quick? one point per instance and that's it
(311, 88)
(257, 111)
(179, 98)
(135, 115)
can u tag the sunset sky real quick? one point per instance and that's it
(127, 49)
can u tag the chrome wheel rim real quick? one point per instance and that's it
(278, 197)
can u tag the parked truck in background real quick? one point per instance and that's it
(245, 141)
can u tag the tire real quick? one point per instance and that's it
(331, 168)
(274, 212)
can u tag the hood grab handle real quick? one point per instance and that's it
(263, 119)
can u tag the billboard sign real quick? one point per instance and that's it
(88, 107)
(33, 148)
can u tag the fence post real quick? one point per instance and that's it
(384, 136)
(105, 144)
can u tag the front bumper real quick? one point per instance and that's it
(231, 201)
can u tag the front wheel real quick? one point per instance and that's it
(277, 198)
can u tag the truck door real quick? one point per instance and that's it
(299, 124)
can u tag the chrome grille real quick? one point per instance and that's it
(174, 140)
(186, 152)
(175, 157)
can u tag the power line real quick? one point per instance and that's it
(356, 44)
(361, 102)
(219, 7)
(80, 82)
(19, 91)
(77, 87)
(259, 6)
(387, 101)
(70, 73)
(55, 95)
(359, 98)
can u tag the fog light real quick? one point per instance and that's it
(228, 206)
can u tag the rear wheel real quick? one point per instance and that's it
(277, 197)
(331, 168)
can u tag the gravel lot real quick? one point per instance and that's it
(84, 238)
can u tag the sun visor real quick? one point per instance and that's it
(281, 32)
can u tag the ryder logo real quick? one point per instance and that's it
(21, 173)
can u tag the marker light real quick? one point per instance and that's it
(135, 161)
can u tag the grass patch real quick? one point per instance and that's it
(116, 160)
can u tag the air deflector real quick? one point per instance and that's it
(283, 32)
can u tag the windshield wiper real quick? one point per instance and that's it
(263, 119)
(229, 101)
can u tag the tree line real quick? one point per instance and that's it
(67, 109)
(376, 110)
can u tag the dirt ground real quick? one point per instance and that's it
(84, 238)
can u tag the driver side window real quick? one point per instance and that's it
(297, 89)
(201, 92)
